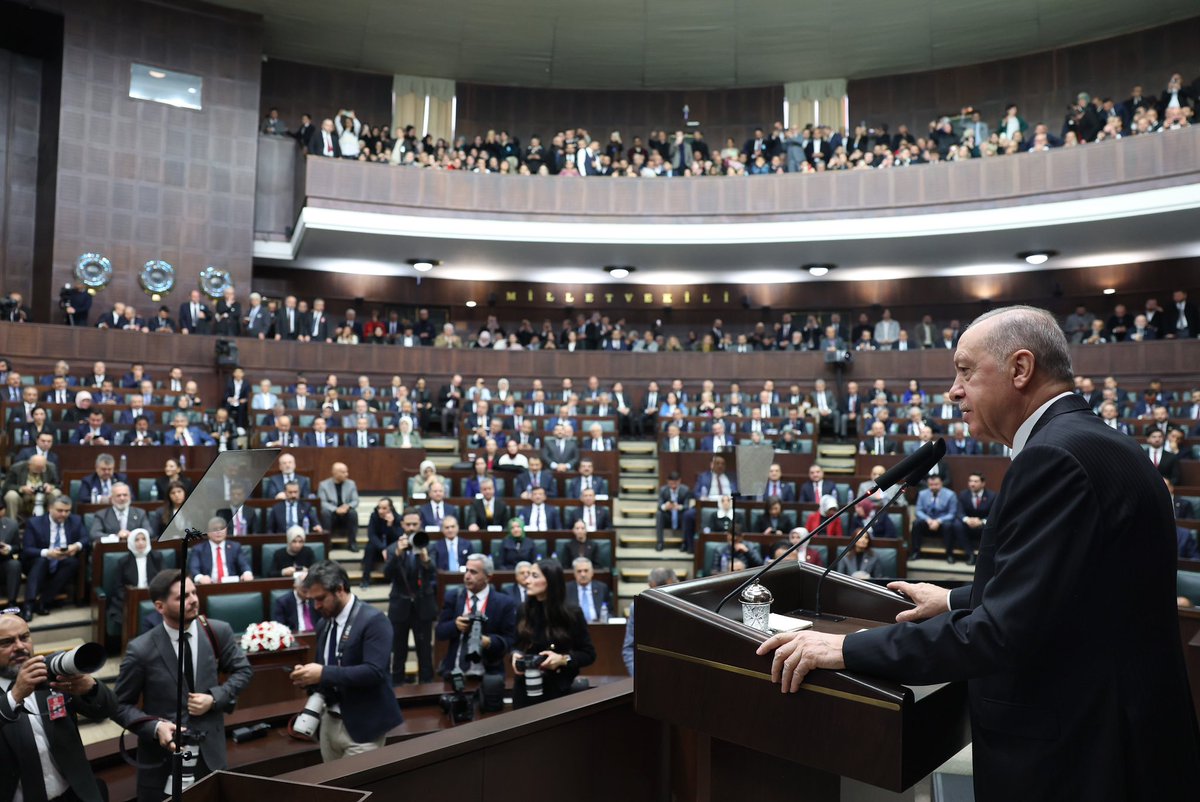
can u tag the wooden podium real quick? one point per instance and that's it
(698, 670)
(229, 786)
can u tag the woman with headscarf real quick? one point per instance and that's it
(405, 437)
(829, 506)
(552, 629)
(134, 570)
(426, 475)
(296, 557)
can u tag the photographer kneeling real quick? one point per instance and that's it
(37, 716)
(552, 639)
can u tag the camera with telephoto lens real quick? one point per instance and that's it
(475, 637)
(83, 659)
(309, 720)
(457, 705)
(7, 305)
(189, 746)
(531, 664)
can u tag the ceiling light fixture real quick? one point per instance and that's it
(819, 270)
(471, 304)
(423, 265)
(1036, 257)
(618, 271)
(157, 74)
(1110, 290)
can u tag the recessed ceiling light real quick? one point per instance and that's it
(471, 304)
(819, 270)
(617, 271)
(1036, 257)
(191, 90)
(157, 74)
(1110, 290)
(423, 265)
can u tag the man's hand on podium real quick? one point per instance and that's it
(930, 600)
(797, 653)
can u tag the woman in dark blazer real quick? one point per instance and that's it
(134, 570)
(171, 473)
(296, 557)
(862, 561)
(383, 529)
(773, 520)
(175, 495)
(548, 626)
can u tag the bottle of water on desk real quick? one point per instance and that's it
(124, 465)
(182, 461)
(604, 613)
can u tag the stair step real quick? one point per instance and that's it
(639, 465)
(637, 447)
(836, 450)
(440, 444)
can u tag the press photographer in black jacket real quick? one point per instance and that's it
(550, 628)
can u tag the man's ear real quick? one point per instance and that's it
(1022, 366)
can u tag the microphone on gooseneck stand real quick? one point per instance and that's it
(916, 464)
(918, 473)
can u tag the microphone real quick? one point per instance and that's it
(930, 453)
(913, 467)
(921, 460)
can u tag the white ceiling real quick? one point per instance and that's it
(1087, 233)
(644, 44)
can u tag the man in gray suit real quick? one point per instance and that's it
(561, 452)
(339, 503)
(149, 672)
(121, 518)
(258, 318)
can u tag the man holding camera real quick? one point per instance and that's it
(149, 672)
(412, 602)
(354, 647)
(41, 755)
(497, 629)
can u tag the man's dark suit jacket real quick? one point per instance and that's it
(475, 514)
(1168, 466)
(546, 479)
(37, 535)
(249, 515)
(574, 550)
(422, 583)
(500, 627)
(148, 672)
(274, 485)
(601, 594)
(310, 440)
(512, 551)
(966, 504)
(237, 559)
(363, 680)
(19, 763)
(553, 517)
(573, 514)
(1080, 502)
(441, 554)
(284, 611)
(277, 518)
(106, 431)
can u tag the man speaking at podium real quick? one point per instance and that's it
(1071, 697)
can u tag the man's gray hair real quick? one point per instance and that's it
(1031, 329)
(522, 564)
(662, 576)
(578, 561)
(216, 523)
(488, 566)
(105, 459)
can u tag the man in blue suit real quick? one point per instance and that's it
(974, 505)
(95, 432)
(274, 486)
(295, 610)
(53, 551)
(318, 437)
(216, 559)
(959, 444)
(937, 513)
(450, 551)
(816, 487)
(293, 511)
(714, 482)
(537, 516)
(586, 479)
(499, 627)
(352, 671)
(181, 434)
(436, 509)
(96, 487)
(776, 487)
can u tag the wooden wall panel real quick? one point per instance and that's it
(296, 88)
(1041, 83)
(139, 180)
